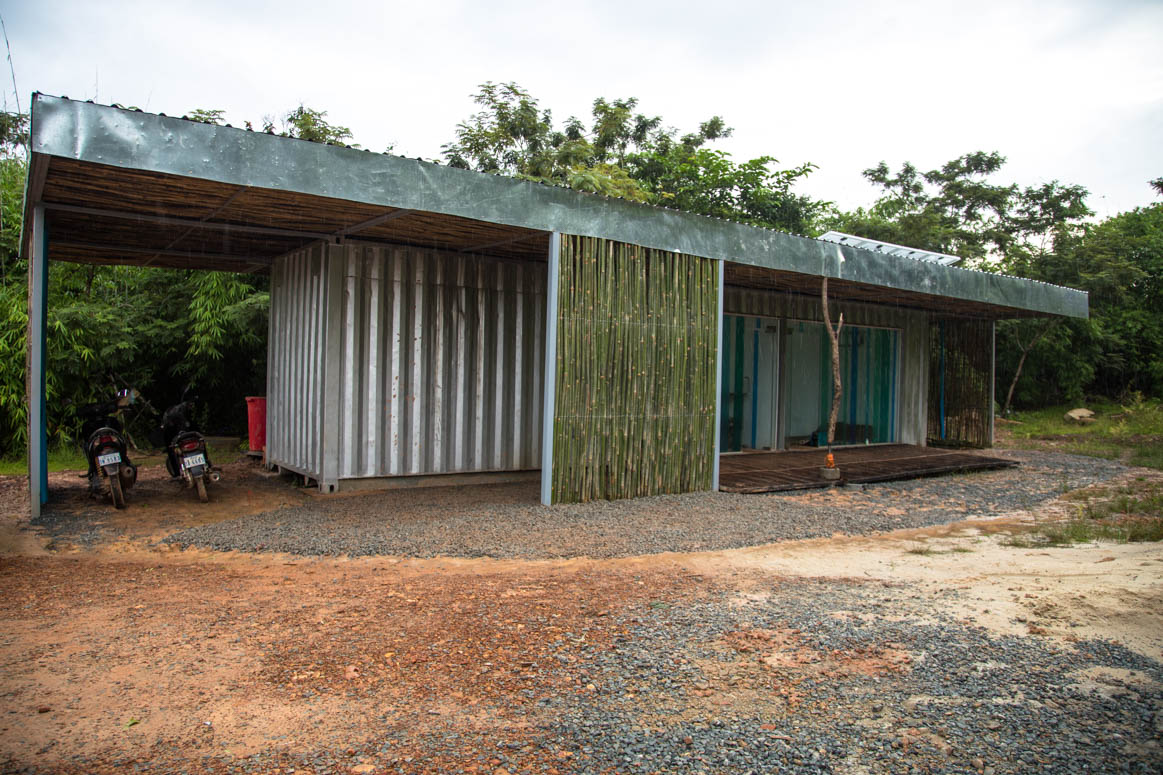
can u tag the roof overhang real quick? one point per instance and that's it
(124, 186)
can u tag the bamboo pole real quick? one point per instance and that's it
(635, 380)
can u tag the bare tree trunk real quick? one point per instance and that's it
(1022, 362)
(834, 338)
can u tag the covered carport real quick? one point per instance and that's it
(114, 186)
(109, 185)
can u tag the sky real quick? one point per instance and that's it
(1069, 90)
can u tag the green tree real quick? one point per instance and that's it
(309, 124)
(631, 155)
(511, 135)
(205, 116)
(1121, 263)
(1032, 232)
(957, 209)
(13, 281)
(116, 326)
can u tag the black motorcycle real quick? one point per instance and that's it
(110, 470)
(186, 455)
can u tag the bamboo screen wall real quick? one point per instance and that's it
(961, 383)
(635, 399)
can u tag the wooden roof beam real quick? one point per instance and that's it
(259, 261)
(370, 222)
(168, 220)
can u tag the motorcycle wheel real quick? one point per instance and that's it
(200, 483)
(116, 491)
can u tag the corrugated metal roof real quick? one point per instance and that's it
(889, 248)
(114, 143)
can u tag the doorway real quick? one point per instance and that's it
(869, 365)
(749, 399)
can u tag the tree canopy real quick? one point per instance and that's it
(629, 154)
(1044, 233)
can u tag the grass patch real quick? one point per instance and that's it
(928, 551)
(70, 459)
(1132, 431)
(65, 459)
(1149, 455)
(1126, 514)
(1085, 531)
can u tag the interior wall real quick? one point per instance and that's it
(301, 293)
(749, 394)
(441, 357)
(807, 375)
(869, 378)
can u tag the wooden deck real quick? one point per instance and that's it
(800, 469)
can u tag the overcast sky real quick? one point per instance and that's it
(1069, 90)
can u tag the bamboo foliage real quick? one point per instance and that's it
(635, 394)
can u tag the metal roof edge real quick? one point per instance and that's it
(133, 139)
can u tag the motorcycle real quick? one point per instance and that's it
(186, 455)
(110, 469)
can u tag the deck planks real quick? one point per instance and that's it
(800, 469)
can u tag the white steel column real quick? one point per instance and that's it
(37, 300)
(718, 383)
(549, 392)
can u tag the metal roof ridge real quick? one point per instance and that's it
(943, 266)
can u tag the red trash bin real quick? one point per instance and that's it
(256, 416)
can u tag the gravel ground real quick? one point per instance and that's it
(803, 676)
(505, 521)
(960, 701)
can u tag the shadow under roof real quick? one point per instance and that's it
(127, 187)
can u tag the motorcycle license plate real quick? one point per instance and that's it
(189, 461)
(110, 459)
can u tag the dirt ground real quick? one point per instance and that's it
(119, 654)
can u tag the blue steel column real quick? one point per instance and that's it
(37, 312)
(718, 383)
(549, 392)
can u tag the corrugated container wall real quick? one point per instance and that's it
(914, 347)
(431, 362)
(295, 361)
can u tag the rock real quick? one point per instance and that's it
(1080, 416)
(363, 769)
